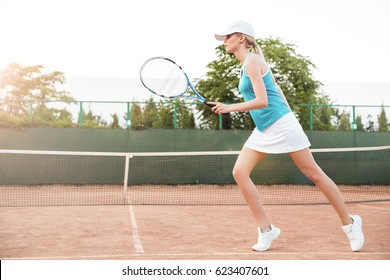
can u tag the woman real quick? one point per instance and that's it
(277, 131)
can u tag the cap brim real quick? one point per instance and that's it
(220, 37)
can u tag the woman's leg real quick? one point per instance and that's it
(306, 163)
(245, 163)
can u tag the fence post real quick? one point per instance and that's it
(175, 115)
(81, 115)
(30, 113)
(354, 124)
(128, 120)
(311, 116)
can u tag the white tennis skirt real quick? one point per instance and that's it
(283, 136)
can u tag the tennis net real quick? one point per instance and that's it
(38, 178)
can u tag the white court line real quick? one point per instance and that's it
(201, 254)
(374, 207)
(137, 241)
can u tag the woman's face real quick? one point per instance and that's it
(232, 42)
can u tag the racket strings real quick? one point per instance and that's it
(164, 78)
(174, 83)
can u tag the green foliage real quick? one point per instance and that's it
(92, 121)
(165, 119)
(136, 117)
(24, 91)
(151, 114)
(370, 126)
(359, 123)
(8, 121)
(162, 115)
(324, 115)
(115, 121)
(383, 123)
(49, 117)
(344, 123)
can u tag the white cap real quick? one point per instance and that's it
(239, 27)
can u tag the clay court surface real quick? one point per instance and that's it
(140, 232)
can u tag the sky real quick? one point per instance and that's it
(347, 40)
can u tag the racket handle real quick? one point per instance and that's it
(210, 105)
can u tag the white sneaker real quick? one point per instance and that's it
(355, 233)
(266, 238)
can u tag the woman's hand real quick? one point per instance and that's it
(219, 108)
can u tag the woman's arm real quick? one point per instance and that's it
(253, 69)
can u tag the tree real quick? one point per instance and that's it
(185, 117)
(136, 117)
(50, 117)
(151, 114)
(115, 121)
(359, 123)
(383, 123)
(165, 119)
(324, 114)
(344, 124)
(24, 91)
(370, 124)
(173, 113)
(162, 115)
(292, 71)
(92, 121)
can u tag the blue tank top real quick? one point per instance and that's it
(276, 109)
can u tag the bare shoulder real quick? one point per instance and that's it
(255, 64)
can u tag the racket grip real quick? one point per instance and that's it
(210, 105)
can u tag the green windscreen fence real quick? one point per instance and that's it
(168, 140)
(31, 177)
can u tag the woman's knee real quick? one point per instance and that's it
(239, 172)
(236, 172)
(314, 175)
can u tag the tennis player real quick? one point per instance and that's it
(277, 131)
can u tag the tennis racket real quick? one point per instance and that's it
(165, 78)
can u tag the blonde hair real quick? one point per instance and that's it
(253, 46)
